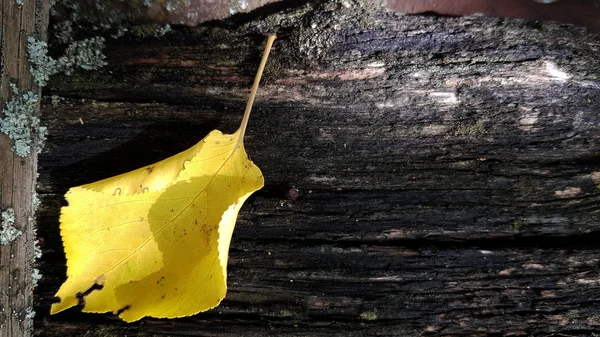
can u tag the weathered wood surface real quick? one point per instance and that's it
(446, 170)
(17, 174)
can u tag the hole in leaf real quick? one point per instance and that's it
(120, 311)
(81, 296)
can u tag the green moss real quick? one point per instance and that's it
(20, 124)
(273, 71)
(285, 314)
(104, 331)
(470, 130)
(8, 232)
(369, 315)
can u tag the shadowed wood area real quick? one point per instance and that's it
(425, 175)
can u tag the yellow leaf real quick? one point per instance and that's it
(156, 239)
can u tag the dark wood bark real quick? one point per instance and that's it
(18, 174)
(425, 176)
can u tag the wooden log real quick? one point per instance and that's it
(425, 176)
(17, 173)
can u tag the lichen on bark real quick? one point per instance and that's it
(8, 232)
(20, 124)
(85, 54)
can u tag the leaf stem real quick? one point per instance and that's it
(259, 72)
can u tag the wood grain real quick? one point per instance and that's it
(425, 176)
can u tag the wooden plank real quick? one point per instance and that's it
(18, 174)
(444, 170)
(295, 289)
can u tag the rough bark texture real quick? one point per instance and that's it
(17, 174)
(582, 12)
(425, 176)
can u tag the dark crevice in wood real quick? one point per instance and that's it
(239, 19)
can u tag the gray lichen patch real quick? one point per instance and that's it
(85, 54)
(170, 5)
(20, 123)
(42, 65)
(55, 100)
(29, 313)
(8, 232)
(63, 32)
(37, 250)
(36, 276)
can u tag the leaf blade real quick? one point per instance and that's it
(157, 236)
